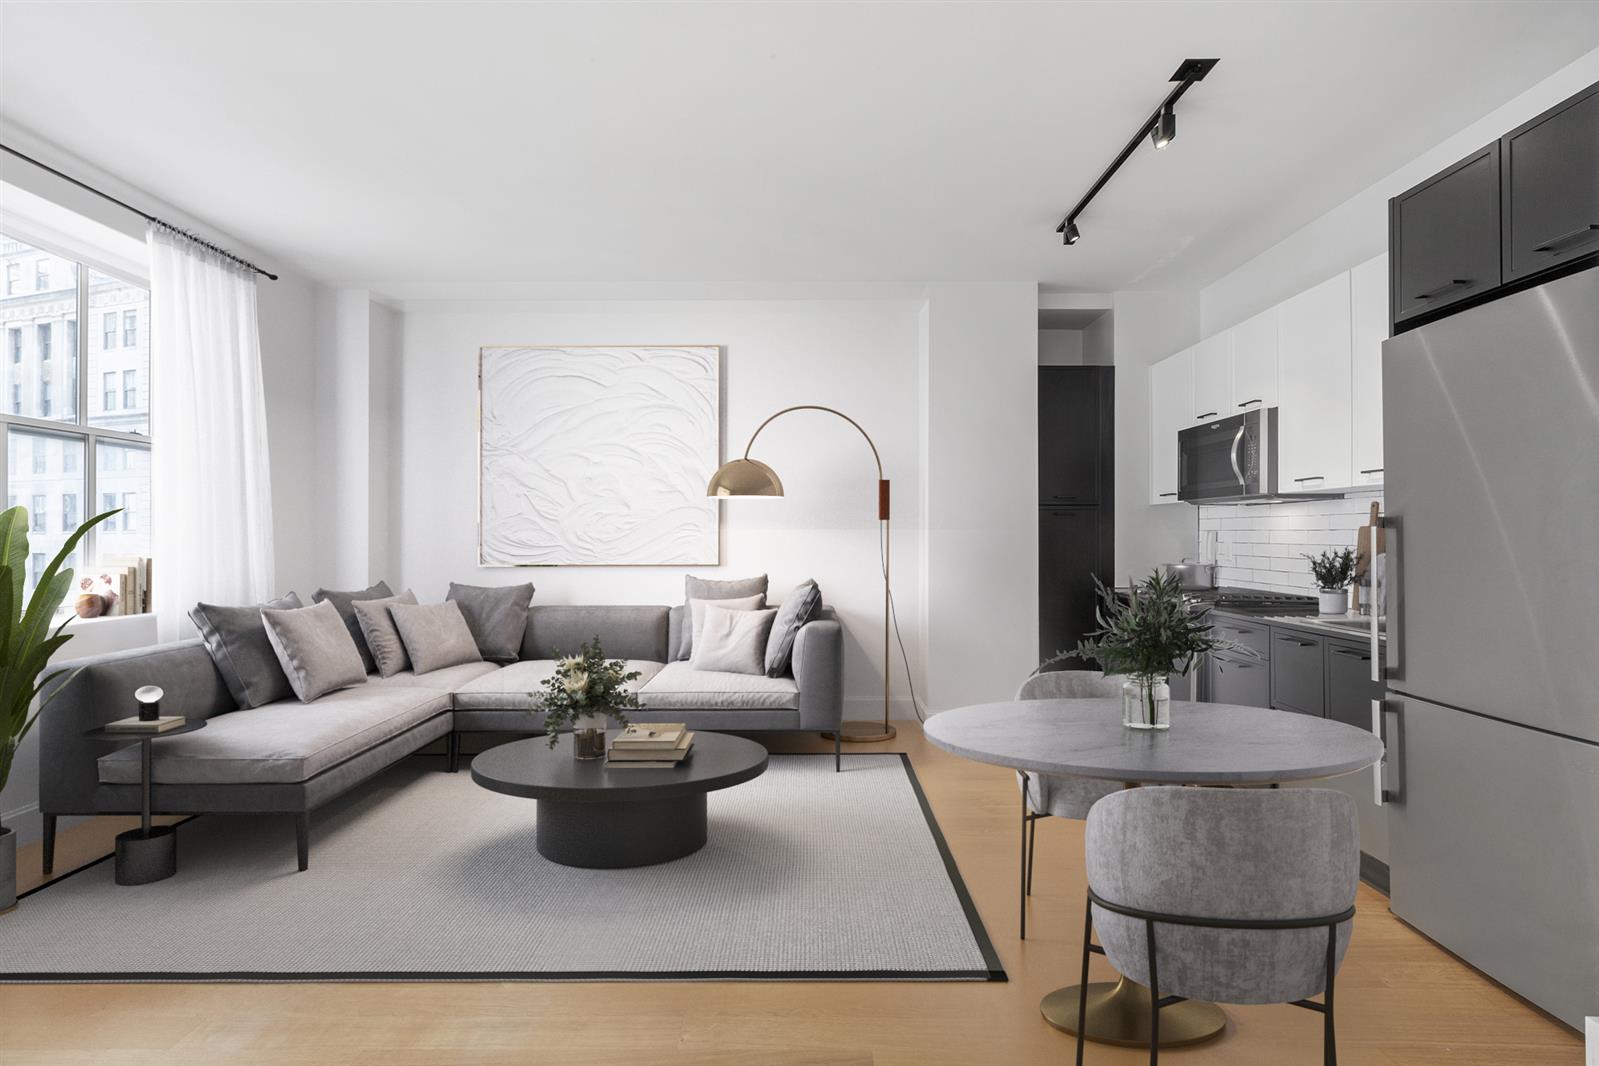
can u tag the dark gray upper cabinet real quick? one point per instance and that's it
(1076, 459)
(1551, 187)
(1444, 237)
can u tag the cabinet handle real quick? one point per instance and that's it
(1313, 477)
(1373, 470)
(1349, 653)
(1301, 643)
(1581, 233)
(1246, 403)
(1207, 414)
(1165, 494)
(1058, 496)
(1440, 290)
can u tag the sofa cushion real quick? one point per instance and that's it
(446, 680)
(344, 603)
(732, 640)
(508, 687)
(237, 640)
(435, 635)
(496, 615)
(626, 632)
(280, 742)
(679, 686)
(704, 588)
(796, 610)
(314, 648)
(379, 634)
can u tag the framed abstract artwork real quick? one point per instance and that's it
(598, 456)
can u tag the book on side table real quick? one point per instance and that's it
(650, 747)
(138, 725)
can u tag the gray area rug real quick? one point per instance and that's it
(422, 875)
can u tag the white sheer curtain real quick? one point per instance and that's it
(211, 528)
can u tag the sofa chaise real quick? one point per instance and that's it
(290, 757)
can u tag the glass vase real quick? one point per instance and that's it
(1146, 703)
(588, 737)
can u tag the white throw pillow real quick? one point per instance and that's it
(732, 641)
(696, 612)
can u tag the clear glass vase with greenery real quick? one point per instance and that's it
(585, 690)
(1152, 633)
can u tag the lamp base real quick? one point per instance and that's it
(865, 733)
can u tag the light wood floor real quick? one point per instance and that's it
(1401, 1000)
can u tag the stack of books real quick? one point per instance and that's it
(650, 747)
(139, 725)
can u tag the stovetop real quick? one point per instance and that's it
(1253, 601)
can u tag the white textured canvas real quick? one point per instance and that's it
(598, 456)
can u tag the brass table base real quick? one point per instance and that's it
(865, 733)
(1118, 1013)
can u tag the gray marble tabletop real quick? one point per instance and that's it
(1208, 743)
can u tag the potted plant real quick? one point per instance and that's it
(27, 641)
(585, 691)
(1333, 570)
(1152, 634)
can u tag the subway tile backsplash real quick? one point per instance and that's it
(1264, 546)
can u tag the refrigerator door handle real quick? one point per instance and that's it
(1380, 710)
(1390, 665)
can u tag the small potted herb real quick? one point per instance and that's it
(1154, 633)
(585, 691)
(1333, 571)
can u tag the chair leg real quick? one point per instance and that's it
(1329, 1053)
(453, 751)
(838, 751)
(49, 844)
(302, 838)
(1082, 986)
(1032, 842)
(1022, 894)
(1154, 995)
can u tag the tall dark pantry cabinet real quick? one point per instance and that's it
(1076, 500)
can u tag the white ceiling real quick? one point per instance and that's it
(411, 147)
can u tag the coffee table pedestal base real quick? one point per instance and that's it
(1118, 1013)
(608, 836)
(146, 855)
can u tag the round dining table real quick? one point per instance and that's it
(1215, 744)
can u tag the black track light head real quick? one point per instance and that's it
(1070, 234)
(1165, 128)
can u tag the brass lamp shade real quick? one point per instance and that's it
(745, 477)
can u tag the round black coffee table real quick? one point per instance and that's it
(601, 817)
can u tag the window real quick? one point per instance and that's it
(64, 456)
(37, 567)
(108, 502)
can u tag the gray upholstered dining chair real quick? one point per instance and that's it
(1234, 896)
(1058, 795)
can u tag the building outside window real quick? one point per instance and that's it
(108, 502)
(63, 455)
(35, 568)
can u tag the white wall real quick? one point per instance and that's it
(1099, 341)
(1060, 347)
(859, 356)
(1147, 327)
(1357, 229)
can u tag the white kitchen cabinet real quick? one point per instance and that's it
(1213, 379)
(1315, 379)
(1368, 300)
(1171, 409)
(1255, 363)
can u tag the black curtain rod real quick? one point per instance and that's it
(1192, 70)
(201, 241)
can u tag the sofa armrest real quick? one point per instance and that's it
(819, 673)
(99, 689)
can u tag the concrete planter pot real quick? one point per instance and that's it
(8, 869)
(1334, 601)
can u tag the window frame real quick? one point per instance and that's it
(80, 430)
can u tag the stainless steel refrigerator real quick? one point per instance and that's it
(1491, 442)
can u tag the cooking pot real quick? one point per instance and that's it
(1192, 575)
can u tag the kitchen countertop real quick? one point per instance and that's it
(1312, 623)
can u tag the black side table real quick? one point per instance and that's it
(148, 853)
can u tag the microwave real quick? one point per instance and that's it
(1233, 458)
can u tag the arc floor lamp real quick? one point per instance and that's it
(751, 477)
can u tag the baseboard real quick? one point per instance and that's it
(1374, 872)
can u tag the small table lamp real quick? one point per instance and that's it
(148, 698)
(750, 477)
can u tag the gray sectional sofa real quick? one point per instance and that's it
(290, 757)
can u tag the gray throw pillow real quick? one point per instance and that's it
(497, 617)
(800, 606)
(732, 642)
(704, 588)
(237, 640)
(436, 635)
(344, 603)
(315, 650)
(377, 630)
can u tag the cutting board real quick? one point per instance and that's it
(1363, 545)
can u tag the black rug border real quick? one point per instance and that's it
(995, 970)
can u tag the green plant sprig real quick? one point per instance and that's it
(1333, 570)
(584, 684)
(1155, 632)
